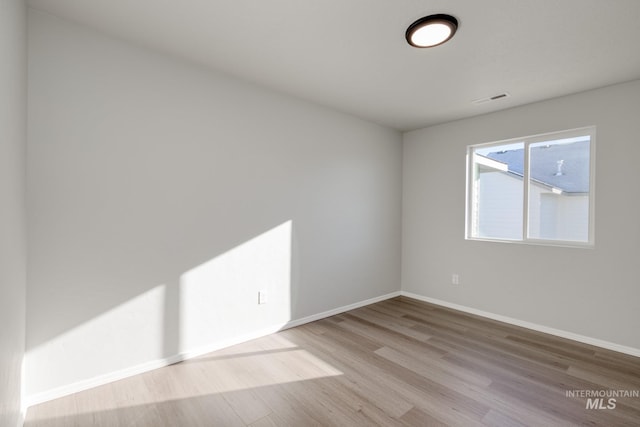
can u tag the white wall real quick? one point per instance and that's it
(13, 126)
(591, 292)
(163, 197)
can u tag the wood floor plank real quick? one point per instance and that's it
(481, 394)
(271, 420)
(400, 362)
(384, 336)
(417, 417)
(362, 380)
(497, 419)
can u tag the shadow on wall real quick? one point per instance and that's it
(208, 306)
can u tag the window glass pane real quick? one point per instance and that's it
(497, 192)
(559, 189)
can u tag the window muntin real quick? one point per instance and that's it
(536, 189)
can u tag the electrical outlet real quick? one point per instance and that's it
(455, 279)
(262, 297)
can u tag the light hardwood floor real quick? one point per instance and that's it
(400, 362)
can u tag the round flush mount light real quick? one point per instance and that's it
(432, 30)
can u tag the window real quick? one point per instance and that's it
(537, 189)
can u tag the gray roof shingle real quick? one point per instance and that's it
(544, 160)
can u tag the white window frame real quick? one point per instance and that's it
(527, 141)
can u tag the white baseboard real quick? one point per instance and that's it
(23, 396)
(540, 328)
(99, 380)
(161, 363)
(281, 327)
(339, 310)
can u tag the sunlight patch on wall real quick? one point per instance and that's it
(66, 359)
(215, 305)
(219, 299)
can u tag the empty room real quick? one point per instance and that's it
(329, 213)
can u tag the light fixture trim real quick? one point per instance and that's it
(424, 27)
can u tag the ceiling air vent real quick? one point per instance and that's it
(491, 98)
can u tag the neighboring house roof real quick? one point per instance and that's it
(571, 160)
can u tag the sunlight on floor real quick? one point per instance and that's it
(266, 361)
(228, 373)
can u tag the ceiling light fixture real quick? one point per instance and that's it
(432, 30)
